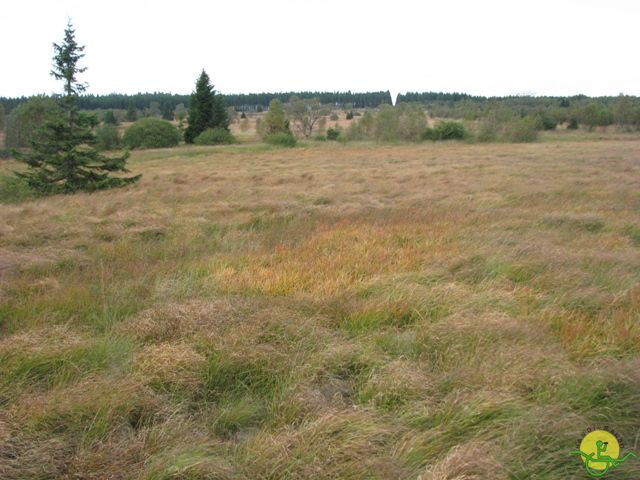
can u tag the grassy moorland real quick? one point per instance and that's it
(434, 311)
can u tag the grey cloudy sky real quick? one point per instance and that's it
(490, 47)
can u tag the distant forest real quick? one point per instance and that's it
(242, 102)
(590, 111)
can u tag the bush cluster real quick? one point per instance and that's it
(408, 123)
(24, 123)
(282, 139)
(521, 130)
(448, 130)
(151, 133)
(390, 124)
(333, 134)
(215, 136)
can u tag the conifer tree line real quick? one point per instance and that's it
(242, 102)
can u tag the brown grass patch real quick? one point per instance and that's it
(470, 461)
(168, 362)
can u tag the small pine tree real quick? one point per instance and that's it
(132, 115)
(109, 118)
(62, 159)
(206, 109)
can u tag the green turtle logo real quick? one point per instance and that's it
(600, 451)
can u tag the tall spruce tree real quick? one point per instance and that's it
(62, 159)
(206, 109)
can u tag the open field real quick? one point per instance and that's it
(434, 311)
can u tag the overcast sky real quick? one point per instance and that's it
(489, 47)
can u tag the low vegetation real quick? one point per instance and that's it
(282, 139)
(214, 136)
(447, 130)
(151, 133)
(433, 310)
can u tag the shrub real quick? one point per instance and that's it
(488, 131)
(282, 139)
(110, 118)
(521, 130)
(573, 124)
(595, 114)
(429, 134)
(107, 137)
(362, 129)
(215, 136)
(548, 121)
(451, 131)
(24, 122)
(333, 134)
(334, 117)
(349, 115)
(151, 133)
(13, 189)
(275, 121)
(445, 131)
(411, 122)
(386, 124)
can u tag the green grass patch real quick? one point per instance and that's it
(477, 269)
(57, 368)
(235, 414)
(87, 305)
(633, 232)
(14, 189)
(266, 222)
(585, 224)
(398, 314)
(517, 273)
(225, 375)
(456, 424)
(594, 394)
(401, 344)
(188, 462)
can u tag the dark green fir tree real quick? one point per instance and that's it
(109, 118)
(206, 109)
(132, 115)
(63, 159)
